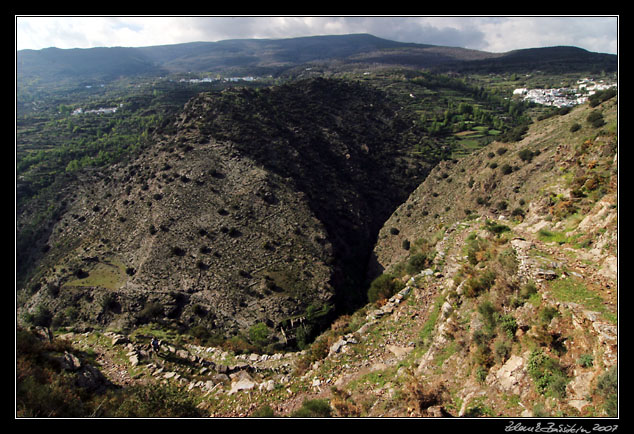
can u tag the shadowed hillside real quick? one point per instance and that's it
(250, 207)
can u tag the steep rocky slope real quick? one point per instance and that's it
(251, 207)
(524, 241)
(506, 301)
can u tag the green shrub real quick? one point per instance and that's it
(156, 400)
(108, 301)
(547, 314)
(383, 287)
(200, 332)
(314, 408)
(150, 312)
(528, 290)
(476, 285)
(601, 96)
(178, 251)
(502, 349)
(518, 212)
(549, 377)
(526, 155)
(41, 388)
(481, 374)
(507, 259)
(595, 119)
(515, 134)
(508, 324)
(586, 360)
(496, 228)
(607, 388)
(476, 250)
(264, 412)
(417, 263)
(488, 313)
(259, 334)
(41, 317)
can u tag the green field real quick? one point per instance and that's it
(108, 274)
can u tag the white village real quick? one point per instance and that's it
(564, 96)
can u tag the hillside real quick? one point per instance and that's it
(250, 207)
(497, 291)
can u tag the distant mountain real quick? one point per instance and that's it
(275, 56)
(266, 53)
(53, 64)
(547, 59)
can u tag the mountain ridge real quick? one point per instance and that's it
(274, 56)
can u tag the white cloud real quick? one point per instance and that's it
(592, 33)
(496, 34)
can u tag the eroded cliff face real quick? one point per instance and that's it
(250, 207)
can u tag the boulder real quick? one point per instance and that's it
(91, 378)
(119, 340)
(244, 383)
(446, 310)
(511, 373)
(267, 386)
(221, 378)
(134, 359)
(336, 347)
(69, 362)
(399, 352)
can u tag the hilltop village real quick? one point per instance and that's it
(563, 97)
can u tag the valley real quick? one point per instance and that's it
(332, 240)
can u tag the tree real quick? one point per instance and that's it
(259, 334)
(73, 166)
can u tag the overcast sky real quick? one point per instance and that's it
(493, 34)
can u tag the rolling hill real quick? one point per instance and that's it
(274, 56)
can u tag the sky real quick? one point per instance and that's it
(487, 33)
